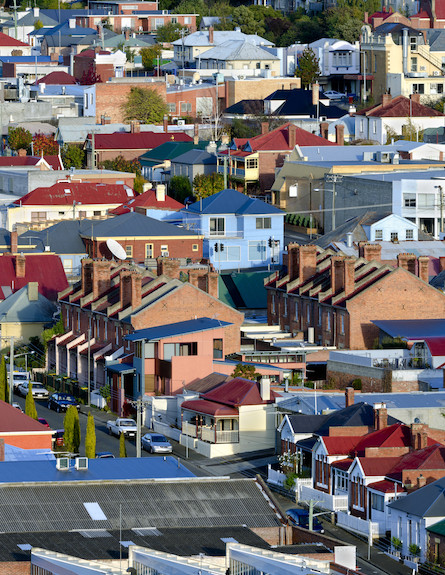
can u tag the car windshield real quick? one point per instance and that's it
(67, 398)
(18, 377)
(127, 422)
(158, 438)
(37, 386)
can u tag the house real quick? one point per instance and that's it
(298, 103)
(17, 270)
(20, 430)
(193, 163)
(8, 45)
(131, 146)
(154, 204)
(171, 356)
(323, 294)
(236, 417)
(240, 55)
(57, 79)
(25, 67)
(383, 121)
(25, 314)
(66, 200)
(142, 238)
(25, 24)
(256, 159)
(234, 228)
(156, 162)
(114, 300)
(102, 63)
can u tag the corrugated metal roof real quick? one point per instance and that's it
(412, 328)
(175, 329)
(18, 308)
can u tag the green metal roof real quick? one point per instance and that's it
(168, 151)
(437, 528)
(243, 289)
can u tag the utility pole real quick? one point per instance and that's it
(89, 371)
(311, 515)
(441, 206)
(93, 151)
(15, 19)
(11, 368)
(139, 426)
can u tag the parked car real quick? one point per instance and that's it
(122, 425)
(333, 95)
(43, 421)
(156, 443)
(58, 437)
(104, 455)
(300, 518)
(61, 402)
(18, 377)
(38, 390)
(17, 406)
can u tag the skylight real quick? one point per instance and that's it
(144, 531)
(95, 512)
(228, 540)
(24, 546)
(127, 543)
(95, 533)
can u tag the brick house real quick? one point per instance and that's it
(104, 64)
(334, 298)
(22, 431)
(142, 238)
(113, 300)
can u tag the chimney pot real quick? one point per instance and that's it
(386, 99)
(349, 396)
(371, 252)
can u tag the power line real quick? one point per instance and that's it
(345, 208)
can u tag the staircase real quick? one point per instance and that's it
(426, 55)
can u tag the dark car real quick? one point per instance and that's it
(104, 455)
(61, 402)
(300, 518)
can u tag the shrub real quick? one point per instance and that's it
(414, 549)
(357, 384)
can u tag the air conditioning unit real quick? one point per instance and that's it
(180, 122)
(422, 68)
(63, 463)
(81, 463)
(436, 73)
(165, 254)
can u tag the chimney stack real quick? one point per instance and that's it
(340, 134)
(196, 134)
(160, 192)
(324, 130)
(292, 131)
(100, 277)
(441, 263)
(135, 127)
(168, 267)
(264, 128)
(33, 291)
(130, 289)
(211, 34)
(14, 241)
(415, 98)
(371, 252)
(419, 437)
(307, 264)
(407, 262)
(166, 124)
(21, 152)
(421, 481)
(265, 388)
(349, 396)
(380, 416)
(20, 266)
(423, 265)
(386, 99)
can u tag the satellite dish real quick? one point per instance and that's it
(116, 249)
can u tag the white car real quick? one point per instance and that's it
(122, 425)
(333, 95)
(38, 390)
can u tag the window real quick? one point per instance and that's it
(233, 253)
(378, 235)
(180, 349)
(217, 349)
(377, 502)
(273, 303)
(186, 107)
(342, 324)
(263, 223)
(105, 330)
(328, 321)
(258, 65)
(97, 213)
(187, 20)
(341, 480)
(129, 251)
(171, 107)
(285, 307)
(362, 125)
(426, 200)
(413, 42)
(217, 226)
(38, 216)
(148, 251)
(414, 64)
(296, 312)
(164, 251)
(82, 214)
(374, 127)
(251, 163)
(418, 88)
(308, 313)
(394, 236)
(195, 247)
(409, 200)
(409, 234)
(319, 316)
(174, 20)
(436, 89)
(257, 251)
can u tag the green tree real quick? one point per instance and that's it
(145, 105)
(192, 7)
(72, 156)
(90, 438)
(149, 56)
(205, 185)
(412, 131)
(3, 380)
(19, 138)
(180, 188)
(307, 67)
(71, 437)
(122, 446)
(57, 329)
(246, 371)
(170, 32)
(38, 24)
(30, 406)
(249, 20)
(120, 164)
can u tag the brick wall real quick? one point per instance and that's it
(15, 567)
(177, 248)
(111, 96)
(267, 163)
(238, 90)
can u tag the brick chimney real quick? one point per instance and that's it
(423, 265)
(2, 449)
(349, 396)
(196, 134)
(168, 267)
(166, 124)
(324, 127)
(20, 266)
(14, 241)
(264, 127)
(127, 34)
(441, 263)
(21, 152)
(340, 134)
(211, 34)
(212, 284)
(366, 18)
(371, 252)
(135, 127)
(415, 98)
(342, 274)
(87, 275)
(419, 437)
(101, 277)
(292, 130)
(160, 192)
(380, 416)
(421, 481)
(33, 291)
(407, 262)
(293, 259)
(386, 99)
(307, 264)
(130, 289)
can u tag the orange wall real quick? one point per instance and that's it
(25, 441)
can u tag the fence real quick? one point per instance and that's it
(324, 500)
(358, 525)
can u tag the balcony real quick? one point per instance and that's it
(324, 500)
(210, 434)
(189, 429)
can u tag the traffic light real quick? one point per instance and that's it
(270, 242)
(215, 247)
(221, 247)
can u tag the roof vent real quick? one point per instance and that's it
(81, 463)
(63, 463)
(67, 191)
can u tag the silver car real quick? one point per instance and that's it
(156, 443)
(38, 390)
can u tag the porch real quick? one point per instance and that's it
(324, 500)
(212, 432)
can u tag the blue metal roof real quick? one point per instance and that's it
(173, 329)
(120, 367)
(25, 59)
(412, 328)
(129, 468)
(232, 202)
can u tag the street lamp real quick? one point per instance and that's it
(26, 357)
(364, 75)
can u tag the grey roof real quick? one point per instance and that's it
(62, 238)
(436, 40)
(201, 38)
(176, 329)
(195, 157)
(237, 50)
(429, 501)
(67, 40)
(305, 423)
(340, 154)
(412, 328)
(439, 280)
(133, 224)
(208, 382)
(115, 41)
(232, 202)
(195, 502)
(18, 308)
(29, 20)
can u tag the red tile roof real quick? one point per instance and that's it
(396, 435)
(138, 141)
(92, 53)
(148, 200)
(14, 421)
(84, 193)
(210, 408)
(400, 107)
(340, 445)
(436, 345)
(52, 161)
(431, 457)
(386, 486)
(238, 391)
(6, 40)
(384, 15)
(46, 269)
(377, 466)
(343, 464)
(58, 79)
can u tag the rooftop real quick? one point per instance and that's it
(70, 193)
(176, 329)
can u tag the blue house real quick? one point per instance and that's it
(239, 231)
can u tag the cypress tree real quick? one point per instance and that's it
(122, 447)
(90, 438)
(76, 430)
(30, 406)
(68, 424)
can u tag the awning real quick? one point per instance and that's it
(121, 368)
(210, 408)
